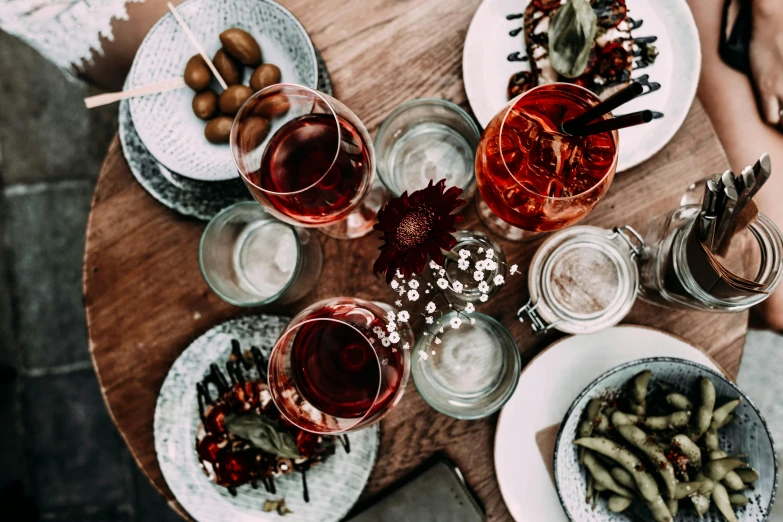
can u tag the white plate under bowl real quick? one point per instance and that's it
(546, 389)
(165, 121)
(334, 484)
(486, 70)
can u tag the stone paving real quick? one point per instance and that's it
(57, 441)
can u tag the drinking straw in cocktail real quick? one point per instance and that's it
(619, 98)
(197, 45)
(620, 122)
(143, 90)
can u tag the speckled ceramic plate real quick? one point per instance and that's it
(200, 199)
(748, 434)
(334, 485)
(546, 389)
(165, 121)
(486, 70)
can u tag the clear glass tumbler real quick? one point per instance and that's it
(425, 140)
(250, 258)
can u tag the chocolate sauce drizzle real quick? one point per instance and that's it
(515, 16)
(234, 369)
(516, 57)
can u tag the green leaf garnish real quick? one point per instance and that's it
(571, 37)
(263, 433)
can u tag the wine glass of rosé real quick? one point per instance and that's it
(532, 176)
(337, 368)
(307, 159)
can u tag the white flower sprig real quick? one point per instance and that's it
(417, 286)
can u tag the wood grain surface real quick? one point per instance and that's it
(146, 300)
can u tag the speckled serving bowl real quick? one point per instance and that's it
(747, 434)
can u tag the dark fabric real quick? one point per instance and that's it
(735, 49)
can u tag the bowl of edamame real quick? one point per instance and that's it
(664, 440)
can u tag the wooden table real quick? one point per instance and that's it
(146, 300)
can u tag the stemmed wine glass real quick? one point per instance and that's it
(307, 159)
(337, 367)
(532, 176)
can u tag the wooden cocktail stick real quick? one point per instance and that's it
(197, 45)
(143, 90)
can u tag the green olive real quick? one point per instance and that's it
(232, 98)
(227, 67)
(205, 104)
(264, 76)
(197, 74)
(219, 129)
(241, 45)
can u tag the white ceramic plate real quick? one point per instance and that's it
(486, 70)
(334, 484)
(546, 389)
(165, 121)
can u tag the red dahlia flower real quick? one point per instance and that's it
(416, 226)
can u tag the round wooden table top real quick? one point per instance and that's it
(146, 300)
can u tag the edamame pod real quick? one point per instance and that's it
(688, 448)
(686, 489)
(645, 482)
(733, 482)
(623, 478)
(717, 469)
(748, 475)
(738, 499)
(720, 414)
(638, 391)
(707, 484)
(591, 412)
(728, 420)
(601, 423)
(721, 498)
(603, 478)
(641, 440)
(711, 439)
(618, 504)
(679, 401)
(706, 406)
(701, 503)
(674, 507)
(660, 510)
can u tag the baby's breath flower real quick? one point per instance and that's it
(413, 295)
(457, 286)
(463, 264)
(437, 339)
(478, 275)
(480, 250)
(398, 302)
(401, 291)
(490, 253)
(440, 329)
(472, 320)
(428, 320)
(455, 322)
(394, 337)
(399, 275)
(406, 346)
(481, 264)
(483, 298)
(483, 287)
(442, 283)
(430, 308)
(464, 254)
(423, 356)
(514, 269)
(403, 316)
(490, 265)
(386, 342)
(390, 316)
(378, 330)
(434, 265)
(441, 272)
(413, 284)
(498, 280)
(469, 308)
(391, 326)
(394, 284)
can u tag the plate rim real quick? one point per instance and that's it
(155, 27)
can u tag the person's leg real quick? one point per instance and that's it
(728, 98)
(108, 70)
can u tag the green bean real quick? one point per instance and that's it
(728, 420)
(748, 475)
(721, 498)
(638, 391)
(674, 507)
(679, 402)
(645, 482)
(660, 510)
(717, 469)
(618, 504)
(623, 478)
(720, 414)
(688, 448)
(686, 489)
(733, 482)
(706, 405)
(701, 503)
(641, 440)
(738, 499)
(602, 476)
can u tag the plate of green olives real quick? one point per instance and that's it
(252, 43)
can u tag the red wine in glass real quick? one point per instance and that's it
(331, 361)
(305, 175)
